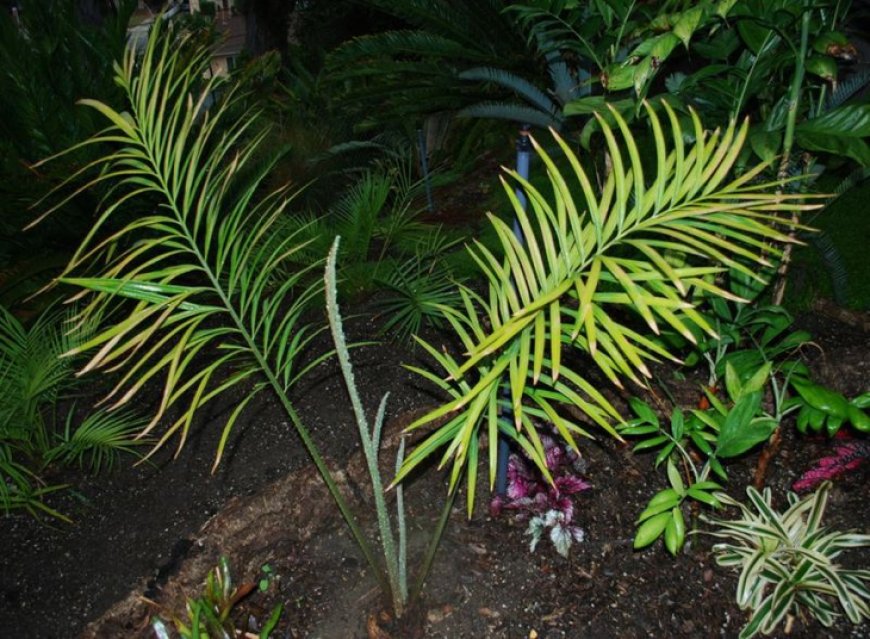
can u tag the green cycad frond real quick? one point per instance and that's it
(377, 72)
(514, 113)
(515, 83)
(472, 23)
(541, 110)
(592, 264)
(204, 311)
(407, 44)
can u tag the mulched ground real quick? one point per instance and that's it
(154, 531)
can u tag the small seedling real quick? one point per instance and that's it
(268, 577)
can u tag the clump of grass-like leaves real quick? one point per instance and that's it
(787, 561)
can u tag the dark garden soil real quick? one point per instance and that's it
(145, 536)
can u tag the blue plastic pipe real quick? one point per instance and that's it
(524, 157)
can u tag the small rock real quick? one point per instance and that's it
(437, 615)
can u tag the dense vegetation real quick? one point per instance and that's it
(189, 215)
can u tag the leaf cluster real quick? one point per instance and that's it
(36, 388)
(787, 561)
(586, 258)
(723, 431)
(210, 614)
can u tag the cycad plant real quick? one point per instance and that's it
(191, 287)
(410, 72)
(598, 271)
(538, 108)
(386, 249)
(39, 423)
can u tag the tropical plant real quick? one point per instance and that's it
(370, 436)
(624, 43)
(412, 72)
(394, 546)
(416, 289)
(848, 456)
(727, 429)
(539, 108)
(721, 432)
(385, 246)
(778, 62)
(749, 360)
(36, 387)
(548, 507)
(787, 561)
(586, 265)
(191, 286)
(749, 335)
(210, 614)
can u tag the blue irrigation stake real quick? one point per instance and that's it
(424, 164)
(524, 157)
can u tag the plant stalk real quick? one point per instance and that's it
(304, 435)
(788, 142)
(432, 549)
(370, 439)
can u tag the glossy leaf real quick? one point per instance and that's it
(742, 429)
(651, 529)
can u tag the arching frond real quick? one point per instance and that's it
(513, 112)
(513, 82)
(203, 310)
(598, 271)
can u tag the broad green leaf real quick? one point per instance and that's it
(675, 531)
(855, 148)
(675, 478)
(651, 529)
(850, 120)
(703, 496)
(742, 429)
(663, 500)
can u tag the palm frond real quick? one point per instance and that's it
(202, 308)
(97, 442)
(473, 24)
(419, 289)
(834, 265)
(512, 82)
(396, 43)
(20, 488)
(513, 112)
(847, 88)
(596, 279)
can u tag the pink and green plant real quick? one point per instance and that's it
(546, 506)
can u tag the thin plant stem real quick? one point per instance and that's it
(788, 142)
(402, 526)
(432, 549)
